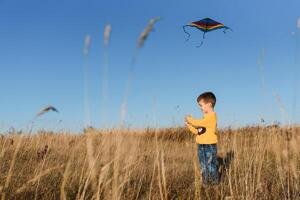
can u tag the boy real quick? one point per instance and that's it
(206, 138)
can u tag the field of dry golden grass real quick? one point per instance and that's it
(255, 162)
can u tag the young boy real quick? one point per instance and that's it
(206, 138)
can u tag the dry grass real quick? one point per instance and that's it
(257, 163)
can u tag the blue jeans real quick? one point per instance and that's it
(207, 155)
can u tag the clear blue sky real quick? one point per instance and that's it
(41, 61)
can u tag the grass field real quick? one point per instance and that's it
(255, 162)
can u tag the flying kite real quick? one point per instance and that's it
(46, 109)
(205, 25)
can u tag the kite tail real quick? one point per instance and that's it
(203, 38)
(200, 44)
(226, 28)
(189, 35)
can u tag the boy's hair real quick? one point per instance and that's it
(208, 97)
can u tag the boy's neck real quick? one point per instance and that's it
(210, 111)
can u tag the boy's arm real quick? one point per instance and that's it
(192, 129)
(197, 122)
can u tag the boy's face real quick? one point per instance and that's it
(204, 106)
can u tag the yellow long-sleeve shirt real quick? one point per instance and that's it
(209, 121)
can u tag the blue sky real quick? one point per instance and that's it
(42, 62)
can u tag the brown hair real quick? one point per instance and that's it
(208, 97)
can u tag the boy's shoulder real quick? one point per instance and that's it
(211, 114)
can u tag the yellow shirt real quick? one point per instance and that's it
(209, 121)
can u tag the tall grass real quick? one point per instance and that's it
(148, 164)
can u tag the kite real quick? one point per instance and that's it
(46, 109)
(205, 25)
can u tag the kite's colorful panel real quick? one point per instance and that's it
(207, 24)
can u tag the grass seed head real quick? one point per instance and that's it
(107, 31)
(87, 43)
(144, 35)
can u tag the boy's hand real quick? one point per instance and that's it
(187, 117)
(186, 124)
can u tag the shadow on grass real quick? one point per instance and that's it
(224, 164)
